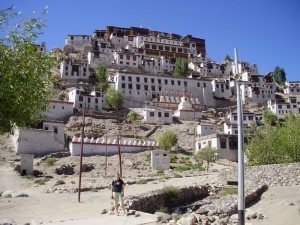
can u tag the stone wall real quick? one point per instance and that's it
(153, 201)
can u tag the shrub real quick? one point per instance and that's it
(94, 190)
(170, 195)
(163, 209)
(160, 172)
(229, 191)
(50, 161)
(175, 216)
(173, 158)
(142, 181)
(41, 181)
(59, 182)
(72, 182)
(148, 156)
(29, 177)
(182, 168)
(176, 175)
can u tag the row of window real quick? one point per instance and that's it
(72, 74)
(88, 99)
(165, 48)
(159, 114)
(296, 90)
(159, 81)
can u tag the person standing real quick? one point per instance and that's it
(117, 188)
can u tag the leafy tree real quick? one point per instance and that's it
(25, 77)
(275, 144)
(132, 115)
(279, 75)
(113, 98)
(207, 154)
(227, 57)
(167, 140)
(269, 117)
(181, 67)
(102, 78)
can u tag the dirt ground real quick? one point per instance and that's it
(51, 203)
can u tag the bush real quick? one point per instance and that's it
(94, 190)
(41, 181)
(170, 195)
(50, 161)
(175, 216)
(182, 168)
(229, 191)
(173, 158)
(160, 172)
(176, 175)
(142, 181)
(72, 182)
(59, 182)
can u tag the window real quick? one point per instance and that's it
(179, 49)
(204, 84)
(244, 118)
(159, 114)
(166, 81)
(153, 88)
(129, 79)
(179, 82)
(172, 82)
(151, 114)
(145, 79)
(167, 48)
(80, 98)
(62, 107)
(129, 86)
(235, 118)
(121, 62)
(146, 87)
(152, 80)
(123, 85)
(138, 87)
(96, 100)
(250, 117)
(279, 106)
(55, 130)
(46, 128)
(173, 49)
(121, 56)
(123, 77)
(198, 84)
(137, 79)
(53, 106)
(154, 46)
(185, 83)
(134, 58)
(223, 143)
(160, 47)
(89, 99)
(128, 57)
(166, 114)
(147, 46)
(159, 81)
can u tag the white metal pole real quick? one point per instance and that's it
(241, 179)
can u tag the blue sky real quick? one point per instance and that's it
(265, 32)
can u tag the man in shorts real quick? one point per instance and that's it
(117, 188)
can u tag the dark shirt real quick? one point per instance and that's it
(117, 185)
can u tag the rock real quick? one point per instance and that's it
(188, 220)
(7, 222)
(201, 211)
(212, 212)
(163, 216)
(65, 169)
(13, 194)
(260, 216)
(104, 211)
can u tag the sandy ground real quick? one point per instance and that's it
(280, 205)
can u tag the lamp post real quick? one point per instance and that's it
(81, 152)
(241, 169)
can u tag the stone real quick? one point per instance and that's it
(163, 216)
(212, 212)
(104, 211)
(7, 222)
(201, 211)
(188, 220)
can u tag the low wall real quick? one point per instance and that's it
(153, 201)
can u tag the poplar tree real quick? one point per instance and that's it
(25, 78)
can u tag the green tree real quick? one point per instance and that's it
(25, 78)
(275, 144)
(227, 57)
(208, 154)
(279, 75)
(102, 78)
(269, 117)
(113, 98)
(167, 140)
(132, 115)
(181, 67)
